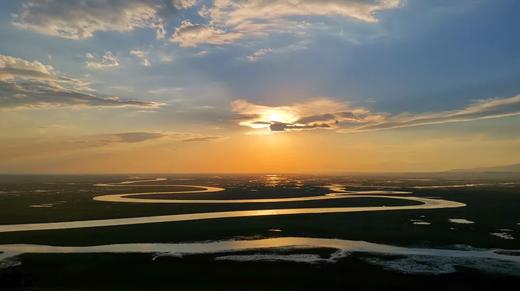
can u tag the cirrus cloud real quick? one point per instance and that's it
(234, 12)
(20, 148)
(184, 4)
(311, 114)
(326, 113)
(258, 54)
(191, 35)
(229, 20)
(142, 55)
(32, 85)
(106, 61)
(77, 19)
(481, 109)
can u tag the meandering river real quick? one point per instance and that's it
(338, 193)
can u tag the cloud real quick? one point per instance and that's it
(137, 136)
(10, 67)
(141, 55)
(281, 126)
(311, 114)
(32, 85)
(142, 136)
(234, 12)
(40, 146)
(226, 20)
(202, 53)
(184, 4)
(191, 35)
(107, 61)
(258, 54)
(165, 58)
(202, 138)
(102, 140)
(482, 109)
(326, 113)
(230, 20)
(77, 19)
(263, 52)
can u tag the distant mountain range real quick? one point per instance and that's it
(515, 168)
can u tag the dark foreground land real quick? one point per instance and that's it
(493, 204)
(201, 272)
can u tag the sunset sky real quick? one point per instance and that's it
(244, 86)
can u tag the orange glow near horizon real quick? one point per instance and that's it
(292, 152)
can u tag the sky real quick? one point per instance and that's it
(258, 86)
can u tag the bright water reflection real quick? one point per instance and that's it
(346, 246)
(424, 203)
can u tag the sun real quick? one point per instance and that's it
(279, 115)
(267, 117)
